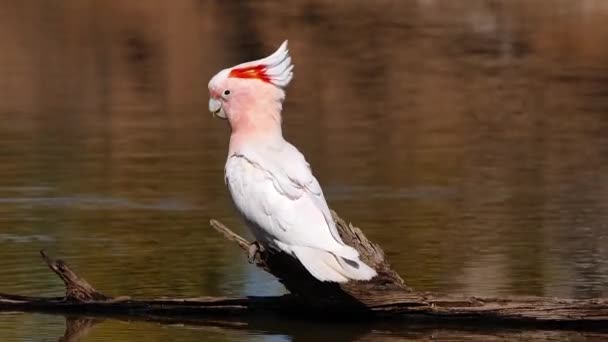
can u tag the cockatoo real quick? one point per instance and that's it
(269, 180)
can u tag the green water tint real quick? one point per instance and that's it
(467, 138)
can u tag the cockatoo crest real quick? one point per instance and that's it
(275, 69)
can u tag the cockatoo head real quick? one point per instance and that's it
(250, 95)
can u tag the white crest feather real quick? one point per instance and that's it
(277, 67)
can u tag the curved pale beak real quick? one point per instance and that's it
(215, 107)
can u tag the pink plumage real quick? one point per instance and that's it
(270, 181)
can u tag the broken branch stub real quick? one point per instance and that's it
(76, 288)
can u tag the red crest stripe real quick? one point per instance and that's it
(256, 72)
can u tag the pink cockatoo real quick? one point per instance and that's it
(270, 181)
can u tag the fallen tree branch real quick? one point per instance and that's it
(386, 296)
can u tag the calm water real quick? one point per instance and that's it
(470, 139)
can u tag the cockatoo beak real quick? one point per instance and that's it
(216, 108)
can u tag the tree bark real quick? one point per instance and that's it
(385, 296)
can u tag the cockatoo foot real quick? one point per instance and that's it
(255, 248)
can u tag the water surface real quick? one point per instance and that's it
(469, 139)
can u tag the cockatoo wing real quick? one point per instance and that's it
(273, 187)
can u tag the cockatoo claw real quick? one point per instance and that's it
(254, 250)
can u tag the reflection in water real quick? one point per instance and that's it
(77, 327)
(81, 329)
(467, 138)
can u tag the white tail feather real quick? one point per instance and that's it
(356, 269)
(326, 266)
(346, 252)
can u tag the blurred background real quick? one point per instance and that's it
(468, 138)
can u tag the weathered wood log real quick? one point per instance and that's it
(386, 296)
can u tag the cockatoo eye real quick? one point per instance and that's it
(226, 92)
